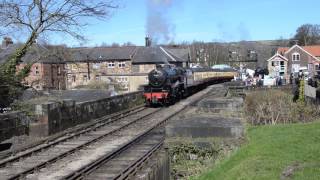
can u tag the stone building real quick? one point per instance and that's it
(100, 63)
(57, 67)
(292, 60)
(127, 66)
(47, 71)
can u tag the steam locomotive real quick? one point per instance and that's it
(168, 84)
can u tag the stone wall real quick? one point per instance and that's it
(13, 124)
(157, 167)
(54, 117)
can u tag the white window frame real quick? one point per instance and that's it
(122, 64)
(96, 66)
(111, 64)
(311, 67)
(296, 56)
(122, 79)
(37, 72)
(58, 70)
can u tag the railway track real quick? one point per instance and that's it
(101, 147)
(106, 149)
(67, 132)
(125, 162)
(30, 161)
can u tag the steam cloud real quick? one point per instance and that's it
(158, 26)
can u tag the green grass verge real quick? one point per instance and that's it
(272, 151)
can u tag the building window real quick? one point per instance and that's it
(96, 65)
(73, 78)
(59, 70)
(295, 57)
(122, 79)
(111, 64)
(275, 63)
(85, 78)
(37, 70)
(310, 67)
(122, 64)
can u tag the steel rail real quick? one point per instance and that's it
(54, 159)
(104, 159)
(92, 126)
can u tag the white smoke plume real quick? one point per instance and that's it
(158, 25)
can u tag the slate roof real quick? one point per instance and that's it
(36, 53)
(5, 53)
(150, 55)
(138, 54)
(160, 55)
(181, 54)
(102, 53)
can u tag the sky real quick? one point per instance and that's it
(202, 20)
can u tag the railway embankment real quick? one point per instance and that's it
(54, 116)
(281, 139)
(204, 132)
(100, 145)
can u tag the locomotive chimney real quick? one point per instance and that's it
(148, 41)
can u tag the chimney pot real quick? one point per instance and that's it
(6, 42)
(148, 41)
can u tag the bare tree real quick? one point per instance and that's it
(114, 44)
(308, 34)
(128, 44)
(36, 17)
(41, 16)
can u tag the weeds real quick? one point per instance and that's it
(276, 106)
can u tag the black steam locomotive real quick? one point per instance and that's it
(166, 84)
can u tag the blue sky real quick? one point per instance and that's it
(205, 20)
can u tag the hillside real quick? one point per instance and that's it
(218, 53)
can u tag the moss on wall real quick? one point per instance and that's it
(192, 156)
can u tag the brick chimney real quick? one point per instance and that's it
(6, 42)
(148, 41)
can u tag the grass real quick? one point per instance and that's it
(272, 151)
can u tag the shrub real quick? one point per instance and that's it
(276, 106)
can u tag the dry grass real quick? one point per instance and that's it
(276, 106)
